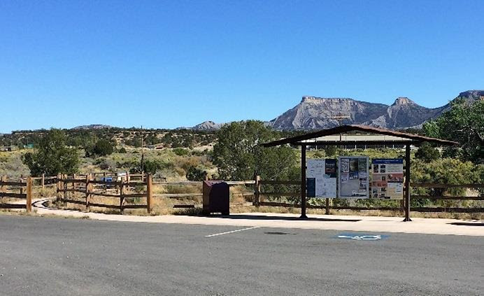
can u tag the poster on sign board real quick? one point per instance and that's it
(387, 178)
(321, 178)
(353, 177)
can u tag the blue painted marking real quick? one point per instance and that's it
(362, 237)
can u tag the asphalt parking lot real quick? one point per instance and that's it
(56, 256)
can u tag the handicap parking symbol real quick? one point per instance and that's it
(362, 237)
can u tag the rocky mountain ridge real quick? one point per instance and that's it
(320, 113)
(207, 126)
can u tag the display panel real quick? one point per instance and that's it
(353, 177)
(387, 178)
(321, 178)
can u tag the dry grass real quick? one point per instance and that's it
(48, 191)
(177, 189)
(7, 200)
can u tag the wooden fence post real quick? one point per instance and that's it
(59, 186)
(88, 191)
(128, 180)
(407, 183)
(21, 187)
(327, 207)
(3, 188)
(257, 187)
(64, 186)
(149, 194)
(42, 181)
(29, 195)
(121, 198)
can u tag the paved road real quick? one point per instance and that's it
(51, 256)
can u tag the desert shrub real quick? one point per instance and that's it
(239, 155)
(444, 171)
(195, 174)
(152, 166)
(180, 151)
(462, 123)
(52, 156)
(427, 153)
(101, 148)
(331, 150)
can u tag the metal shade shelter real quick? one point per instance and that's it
(360, 135)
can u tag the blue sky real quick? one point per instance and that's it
(165, 64)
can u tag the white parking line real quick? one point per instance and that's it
(233, 231)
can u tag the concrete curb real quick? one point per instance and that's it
(269, 220)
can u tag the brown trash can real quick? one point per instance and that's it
(216, 197)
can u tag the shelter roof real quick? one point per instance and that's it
(360, 135)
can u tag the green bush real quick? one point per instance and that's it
(102, 148)
(180, 151)
(427, 153)
(239, 155)
(463, 123)
(52, 156)
(196, 174)
(446, 171)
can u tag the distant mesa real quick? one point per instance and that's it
(314, 113)
(321, 113)
(207, 126)
(92, 127)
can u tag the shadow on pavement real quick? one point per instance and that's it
(281, 218)
(467, 223)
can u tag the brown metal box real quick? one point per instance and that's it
(216, 197)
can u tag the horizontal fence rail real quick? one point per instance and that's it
(259, 194)
(127, 190)
(24, 188)
(81, 189)
(110, 187)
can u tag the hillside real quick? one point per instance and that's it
(405, 113)
(130, 137)
(320, 113)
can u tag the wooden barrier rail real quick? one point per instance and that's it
(6, 188)
(433, 185)
(121, 188)
(44, 181)
(258, 193)
(178, 195)
(88, 186)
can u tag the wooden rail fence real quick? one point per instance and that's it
(24, 192)
(82, 190)
(260, 195)
(88, 186)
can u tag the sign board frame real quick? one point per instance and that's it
(387, 178)
(321, 178)
(354, 171)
